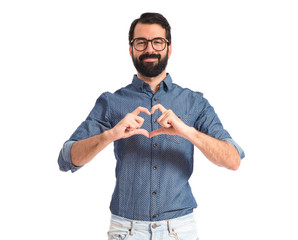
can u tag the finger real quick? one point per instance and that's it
(132, 125)
(139, 120)
(138, 110)
(141, 132)
(159, 107)
(164, 120)
(157, 132)
(133, 120)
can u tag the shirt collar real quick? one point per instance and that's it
(166, 84)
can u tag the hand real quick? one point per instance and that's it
(130, 125)
(170, 123)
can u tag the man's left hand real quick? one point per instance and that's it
(170, 123)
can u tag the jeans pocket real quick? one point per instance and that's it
(118, 235)
(173, 236)
(187, 231)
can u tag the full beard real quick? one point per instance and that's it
(150, 69)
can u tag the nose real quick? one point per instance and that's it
(149, 48)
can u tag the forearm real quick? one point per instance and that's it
(85, 150)
(217, 151)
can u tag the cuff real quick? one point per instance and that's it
(64, 160)
(238, 148)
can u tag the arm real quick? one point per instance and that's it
(217, 151)
(85, 150)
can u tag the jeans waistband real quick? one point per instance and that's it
(169, 225)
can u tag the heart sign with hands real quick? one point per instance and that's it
(131, 124)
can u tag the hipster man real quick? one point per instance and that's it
(154, 125)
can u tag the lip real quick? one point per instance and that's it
(149, 59)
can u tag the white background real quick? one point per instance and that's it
(57, 57)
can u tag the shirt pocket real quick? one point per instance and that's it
(187, 119)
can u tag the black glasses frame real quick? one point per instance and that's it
(164, 39)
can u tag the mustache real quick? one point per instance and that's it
(147, 55)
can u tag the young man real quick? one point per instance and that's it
(154, 125)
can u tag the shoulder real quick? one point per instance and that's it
(187, 92)
(109, 95)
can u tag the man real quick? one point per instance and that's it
(154, 125)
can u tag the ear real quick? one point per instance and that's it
(130, 51)
(170, 50)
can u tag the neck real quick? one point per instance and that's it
(154, 82)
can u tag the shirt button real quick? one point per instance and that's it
(155, 167)
(154, 216)
(155, 99)
(155, 120)
(154, 193)
(155, 145)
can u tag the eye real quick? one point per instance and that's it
(158, 41)
(140, 42)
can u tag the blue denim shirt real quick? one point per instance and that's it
(151, 174)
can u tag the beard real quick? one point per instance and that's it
(150, 69)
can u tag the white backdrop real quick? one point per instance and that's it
(57, 57)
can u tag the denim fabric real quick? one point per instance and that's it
(182, 228)
(151, 174)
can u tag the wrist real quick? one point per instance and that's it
(189, 133)
(109, 135)
(193, 135)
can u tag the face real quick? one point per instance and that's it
(150, 63)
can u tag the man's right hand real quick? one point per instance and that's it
(85, 150)
(130, 125)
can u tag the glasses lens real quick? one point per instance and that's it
(140, 44)
(159, 44)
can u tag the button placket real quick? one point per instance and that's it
(154, 184)
(155, 178)
(155, 116)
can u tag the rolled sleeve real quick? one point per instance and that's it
(208, 121)
(96, 123)
(64, 159)
(238, 148)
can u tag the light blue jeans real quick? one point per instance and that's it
(182, 228)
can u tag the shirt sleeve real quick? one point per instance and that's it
(97, 122)
(209, 123)
(64, 159)
(238, 148)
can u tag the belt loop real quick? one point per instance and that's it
(132, 228)
(169, 227)
(172, 231)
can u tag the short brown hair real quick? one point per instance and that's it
(151, 18)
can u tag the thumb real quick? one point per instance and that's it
(157, 132)
(141, 132)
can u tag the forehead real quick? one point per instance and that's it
(149, 31)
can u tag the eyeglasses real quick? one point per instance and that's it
(158, 44)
